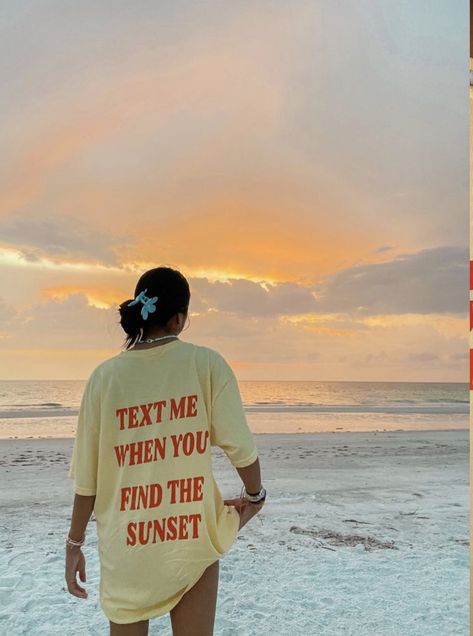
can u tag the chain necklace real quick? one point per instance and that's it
(155, 339)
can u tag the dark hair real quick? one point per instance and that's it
(173, 293)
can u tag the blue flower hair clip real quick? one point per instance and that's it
(149, 304)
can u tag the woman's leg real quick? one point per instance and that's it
(129, 629)
(194, 615)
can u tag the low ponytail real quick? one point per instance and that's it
(173, 292)
(131, 321)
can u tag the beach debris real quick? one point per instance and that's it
(337, 538)
(356, 521)
(407, 514)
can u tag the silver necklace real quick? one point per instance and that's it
(155, 339)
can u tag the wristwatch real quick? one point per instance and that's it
(257, 497)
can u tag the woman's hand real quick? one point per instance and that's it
(75, 562)
(245, 508)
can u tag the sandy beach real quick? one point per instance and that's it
(362, 534)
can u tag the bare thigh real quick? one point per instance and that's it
(194, 615)
(130, 629)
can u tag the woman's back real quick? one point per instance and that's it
(147, 421)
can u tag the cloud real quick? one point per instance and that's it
(395, 293)
(66, 336)
(247, 298)
(66, 324)
(383, 248)
(429, 281)
(58, 238)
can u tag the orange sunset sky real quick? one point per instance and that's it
(304, 164)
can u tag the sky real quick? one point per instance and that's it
(303, 164)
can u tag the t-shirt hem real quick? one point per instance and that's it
(243, 463)
(84, 491)
(153, 613)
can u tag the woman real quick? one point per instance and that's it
(142, 461)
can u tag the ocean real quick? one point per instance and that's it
(272, 406)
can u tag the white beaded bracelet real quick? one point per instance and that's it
(70, 541)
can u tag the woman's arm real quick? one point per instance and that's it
(251, 476)
(81, 513)
(75, 560)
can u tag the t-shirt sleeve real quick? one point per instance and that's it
(228, 425)
(84, 460)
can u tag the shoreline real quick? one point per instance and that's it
(273, 433)
(265, 423)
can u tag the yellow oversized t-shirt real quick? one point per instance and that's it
(146, 423)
